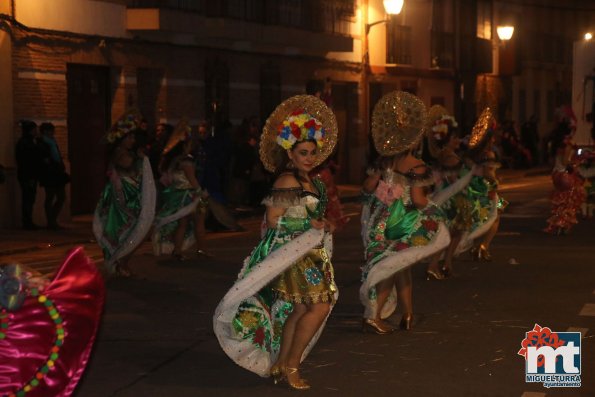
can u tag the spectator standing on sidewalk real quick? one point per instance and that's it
(530, 138)
(53, 175)
(28, 157)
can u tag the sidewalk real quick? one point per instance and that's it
(14, 241)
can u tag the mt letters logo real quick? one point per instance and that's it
(552, 358)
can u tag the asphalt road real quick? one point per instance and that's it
(156, 338)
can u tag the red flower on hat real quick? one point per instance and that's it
(297, 112)
(310, 123)
(295, 130)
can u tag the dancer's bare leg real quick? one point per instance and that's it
(306, 327)
(179, 235)
(405, 290)
(199, 229)
(383, 290)
(489, 236)
(288, 332)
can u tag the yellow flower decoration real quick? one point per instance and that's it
(417, 241)
(248, 319)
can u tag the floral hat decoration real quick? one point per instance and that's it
(297, 119)
(181, 133)
(482, 130)
(128, 122)
(398, 122)
(439, 122)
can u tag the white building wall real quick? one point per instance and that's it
(77, 16)
(582, 88)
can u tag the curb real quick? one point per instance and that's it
(43, 246)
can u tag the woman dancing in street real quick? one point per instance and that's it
(273, 315)
(451, 176)
(126, 207)
(569, 193)
(401, 226)
(483, 190)
(180, 221)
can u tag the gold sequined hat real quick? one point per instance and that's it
(435, 113)
(482, 130)
(274, 140)
(128, 122)
(181, 133)
(398, 122)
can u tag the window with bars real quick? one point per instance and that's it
(330, 16)
(442, 49)
(398, 44)
(442, 38)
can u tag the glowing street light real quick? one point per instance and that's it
(588, 36)
(393, 7)
(505, 32)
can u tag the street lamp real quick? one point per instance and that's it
(391, 7)
(505, 32)
(588, 36)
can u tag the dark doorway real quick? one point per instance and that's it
(88, 120)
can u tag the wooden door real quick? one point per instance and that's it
(88, 120)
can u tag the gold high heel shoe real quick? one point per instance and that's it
(484, 254)
(277, 373)
(432, 274)
(377, 326)
(406, 322)
(299, 383)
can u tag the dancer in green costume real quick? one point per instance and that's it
(274, 313)
(180, 220)
(126, 208)
(400, 225)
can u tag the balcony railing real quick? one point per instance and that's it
(328, 16)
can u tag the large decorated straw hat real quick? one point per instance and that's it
(297, 119)
(180, 133)
(482, 130)
(128, 122)
(437, 129)
(398, 122)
